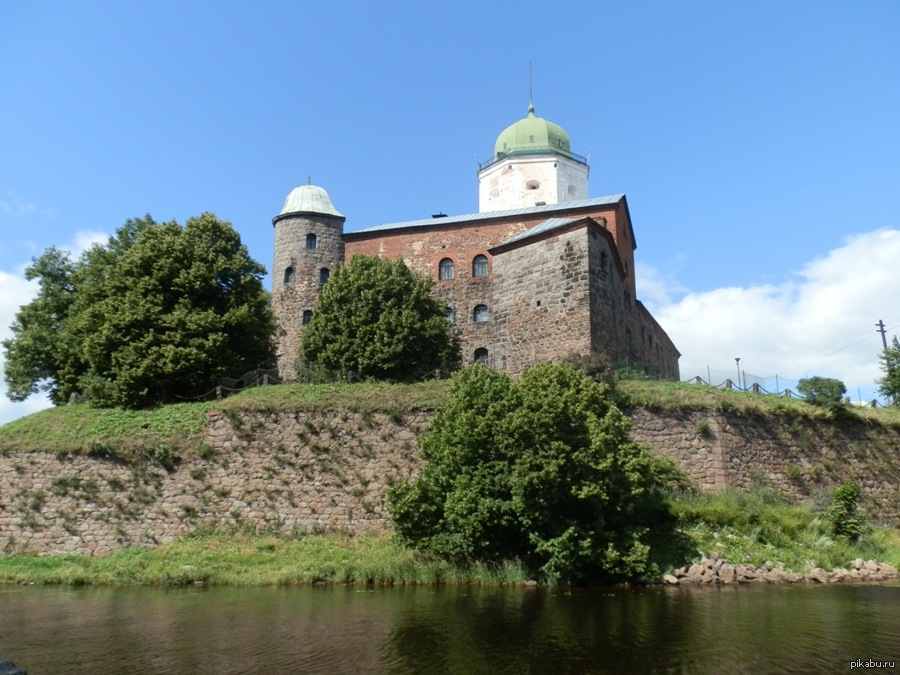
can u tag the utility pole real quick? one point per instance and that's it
(737, 361)
(880, 325)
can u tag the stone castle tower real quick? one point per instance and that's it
(533, 165)
(308, 246)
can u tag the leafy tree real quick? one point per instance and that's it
(540, 469)
(37, 356)
(378, 319)
(822, 391)
(159, 310)
(889, 385)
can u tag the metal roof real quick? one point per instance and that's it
(545, 226)
(490, 215)
(309, 199)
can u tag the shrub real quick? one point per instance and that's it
(846, 521)
(540, 469)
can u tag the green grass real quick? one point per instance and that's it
(753, 527)
(81, 429)
(134, 435)
(259, 560)
(682, 396)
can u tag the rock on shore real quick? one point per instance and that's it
(713, 570)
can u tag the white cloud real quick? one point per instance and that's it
(14, 206)
(819, 321)
(16, 291)
(84, 240)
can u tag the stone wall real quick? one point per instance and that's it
(302, 472)
(297, 277)
(800, 458)
(542, 309)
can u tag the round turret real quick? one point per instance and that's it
(309, 245)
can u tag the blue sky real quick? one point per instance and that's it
(758, 143)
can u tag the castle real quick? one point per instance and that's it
(540, 272)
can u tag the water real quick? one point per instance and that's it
(784, 629)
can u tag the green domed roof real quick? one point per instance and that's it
(532, 135)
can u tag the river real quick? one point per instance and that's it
(759, 629)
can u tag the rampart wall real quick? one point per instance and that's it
(297, 472)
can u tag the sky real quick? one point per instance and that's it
(758, 143)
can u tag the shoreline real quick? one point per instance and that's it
(712, 570)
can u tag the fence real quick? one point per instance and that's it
(224, 386)
(754, 384)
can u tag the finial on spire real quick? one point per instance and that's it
(530, 97)
(309, 180)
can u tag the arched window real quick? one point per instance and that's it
(306, 317)
(445, 270)
(481, 356)
(311, 242)
(451, 315)
(323, 275)
(289, 275)
(480, 266)
(480, 315)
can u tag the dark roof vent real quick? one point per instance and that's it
(438, 215)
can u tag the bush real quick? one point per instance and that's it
(540, 469)
(846, 521)
(822, 391)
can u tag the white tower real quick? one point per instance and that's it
(533, 163)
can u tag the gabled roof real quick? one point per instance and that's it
(491, 215)
(545, 226)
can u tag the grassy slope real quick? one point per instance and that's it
(81, 429)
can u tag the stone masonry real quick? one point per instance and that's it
(298, 472)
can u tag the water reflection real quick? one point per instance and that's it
(434, 630)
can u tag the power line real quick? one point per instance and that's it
(836, 351)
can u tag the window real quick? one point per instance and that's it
(480, 315)
(307, 317)
(445, 270)
(323, 275)
(451, 315)
(288, 275)
(481, 356)
(480, 266)
(532, 185)
(311, 242)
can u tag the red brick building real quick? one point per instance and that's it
(534, 276)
